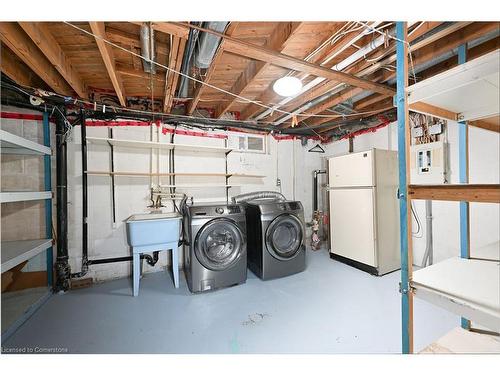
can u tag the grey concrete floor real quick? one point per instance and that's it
(329, 308)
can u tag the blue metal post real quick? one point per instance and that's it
(401, 76)
(48, 187)
(463, 166)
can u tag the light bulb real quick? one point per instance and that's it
(287, 86)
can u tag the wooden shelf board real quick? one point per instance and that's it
(187, 174)
(466, 287)
(14, 144)
(469, 90)
(488, 193)
(16, 252)
(246, 175)
(488, 252)
(461, 341)
(156, 145)
(200, 186)
(21, 196)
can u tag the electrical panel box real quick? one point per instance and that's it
(429, 163)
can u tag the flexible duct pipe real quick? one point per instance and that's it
(258, 195)
(208, 44)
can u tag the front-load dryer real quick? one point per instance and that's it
(276, 237)
(216, 256)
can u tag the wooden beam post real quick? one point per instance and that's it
(40, 34)
(404, 177)
(175, 61)
(98, 29)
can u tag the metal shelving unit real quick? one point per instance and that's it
(465, 286)
(17, 252)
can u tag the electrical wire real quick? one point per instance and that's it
(419, 225)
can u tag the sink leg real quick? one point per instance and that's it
(136, 272)
(175, 266)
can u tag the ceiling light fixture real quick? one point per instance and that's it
(287, 86)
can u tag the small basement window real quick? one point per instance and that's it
(248, 143)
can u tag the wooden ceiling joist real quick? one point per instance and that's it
(252, 51)
(363, 68)
(210, 71)
(175, 61)
(129, 71)
(130, 39)
(269, 96)
(17, 40)
(40, 34)
(283, 32)
(425, 51)
(374, 110)
(328, 103)
(13, 69)
(429, 51)
(98, 29)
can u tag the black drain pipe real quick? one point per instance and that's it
(151, 260)
(62, 267)
(85, 247)
(315, 188)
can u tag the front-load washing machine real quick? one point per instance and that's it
(276, 237)
(216, 256)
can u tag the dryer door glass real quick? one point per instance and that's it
(284, 237)
(219, 244)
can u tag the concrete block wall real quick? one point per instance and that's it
(25, 220)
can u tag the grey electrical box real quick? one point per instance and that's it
(429, 163)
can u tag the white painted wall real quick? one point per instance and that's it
(287, 160)
(484, 168)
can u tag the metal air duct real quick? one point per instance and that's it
(208, 44)
(147, 39)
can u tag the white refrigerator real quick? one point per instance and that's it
(364, 210)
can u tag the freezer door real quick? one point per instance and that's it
(352, 225)
(351, 170)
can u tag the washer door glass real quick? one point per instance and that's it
(219, 244)
(284, 237)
